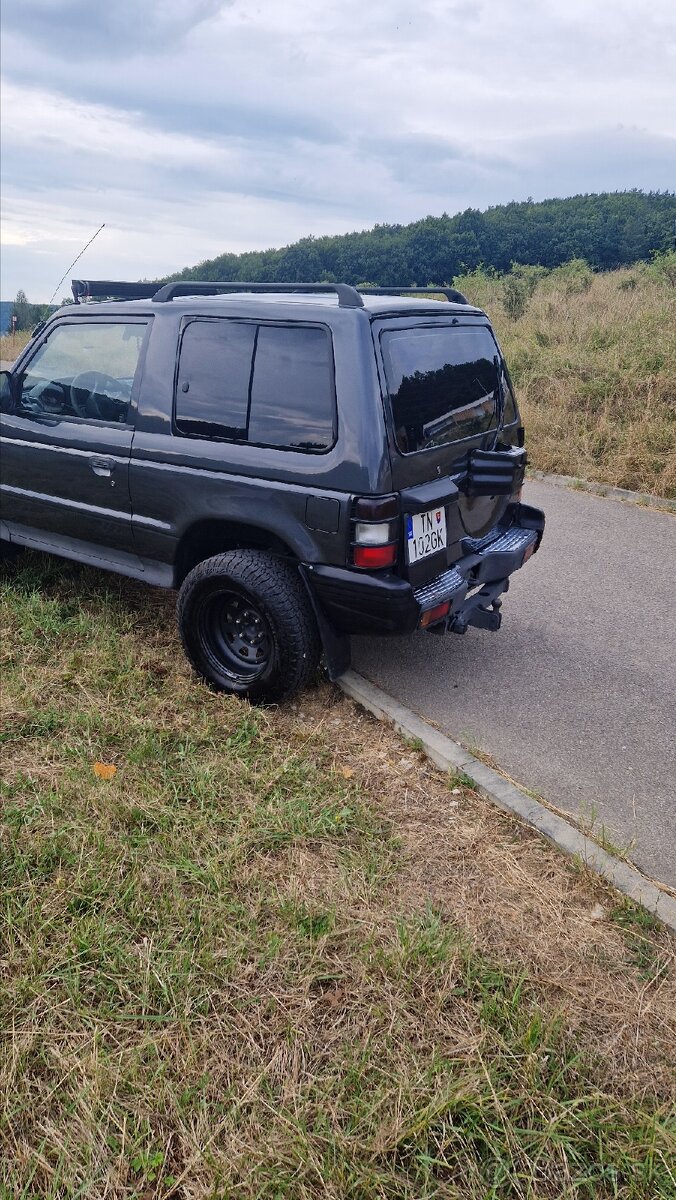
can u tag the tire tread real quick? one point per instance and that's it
(278, 585)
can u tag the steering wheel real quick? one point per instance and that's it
(46, 397)
(95, 394)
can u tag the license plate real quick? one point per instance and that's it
(426, 533)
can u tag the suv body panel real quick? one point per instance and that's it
(179, 497)
(243, 483)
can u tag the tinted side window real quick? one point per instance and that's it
(286, 400)
(82, 370)
(214, 372)
(292, 389)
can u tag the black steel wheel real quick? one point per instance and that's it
(247, 625)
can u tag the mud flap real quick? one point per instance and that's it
(336, 646)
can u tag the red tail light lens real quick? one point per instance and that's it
(375, 556)
(376, 527)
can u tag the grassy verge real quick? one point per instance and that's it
(12, 344)
(275, 954)
(594, 363)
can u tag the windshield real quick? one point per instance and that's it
(443, 382)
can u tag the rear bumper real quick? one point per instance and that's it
(384, 604)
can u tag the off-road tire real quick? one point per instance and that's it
(271, 594)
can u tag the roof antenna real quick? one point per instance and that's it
(70, 268)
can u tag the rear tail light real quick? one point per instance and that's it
(375, 531)
(374, 556)
(375, 534)
(376, 508)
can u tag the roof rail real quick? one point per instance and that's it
(107, 289)
(451, 294)
(348, 297)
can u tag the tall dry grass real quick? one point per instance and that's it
(11, 344)
(595, 372)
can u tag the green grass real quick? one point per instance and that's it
(636, 924)
(214, 982)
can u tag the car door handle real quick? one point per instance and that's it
(102, 466)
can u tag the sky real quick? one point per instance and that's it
(195, 127)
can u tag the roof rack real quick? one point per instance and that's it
(348, 296)
(107, 289)
(451, 294)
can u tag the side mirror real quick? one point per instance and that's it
(7, 392)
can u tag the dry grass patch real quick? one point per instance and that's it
(11, 344)
(277, 954)
(595, 372)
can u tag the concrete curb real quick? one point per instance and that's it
(644, 499)
(450, 756)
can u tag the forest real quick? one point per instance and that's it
(607, 230)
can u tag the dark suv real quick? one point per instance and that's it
(302, 462)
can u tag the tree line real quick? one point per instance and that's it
(607, 230)
(25, 315)
(603, 230)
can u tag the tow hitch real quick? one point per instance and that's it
(482, 610)
(481, 618)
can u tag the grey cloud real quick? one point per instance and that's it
(434, 162)
(227, 124)
(223, 98)
(108, 29)
(598, 160)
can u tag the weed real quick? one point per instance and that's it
(461, 779)
(637, 924)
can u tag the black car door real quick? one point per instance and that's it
(65, 437)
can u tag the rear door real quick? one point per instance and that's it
(447, 396)
(66, 438)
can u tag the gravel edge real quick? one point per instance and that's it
(450, 756)
(644, 499)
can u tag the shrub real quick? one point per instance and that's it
(663, 267)
(573, 278)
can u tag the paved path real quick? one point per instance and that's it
(575, 697)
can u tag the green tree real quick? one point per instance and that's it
(28, 315)
(606, 230)
(21, 311)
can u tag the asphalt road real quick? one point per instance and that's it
(575, 697)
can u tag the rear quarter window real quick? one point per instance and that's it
(271, 385)
(292, 389)
(214, 373)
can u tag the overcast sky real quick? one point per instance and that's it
(191, 127)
